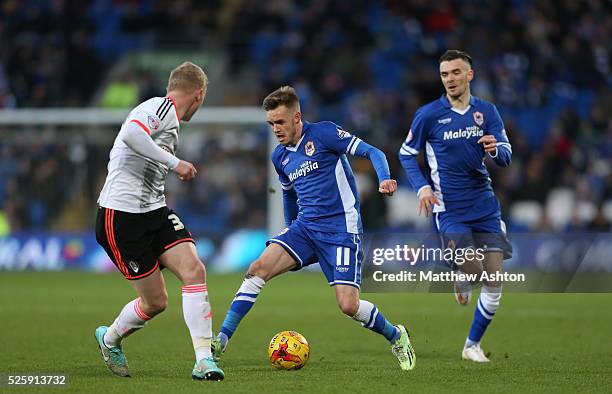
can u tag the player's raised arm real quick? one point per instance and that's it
(379, 162)
(344, 142)
(137, 136)
(495, 142)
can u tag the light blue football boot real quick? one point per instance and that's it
(206, 369)
(113, 357)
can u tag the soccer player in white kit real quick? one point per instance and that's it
(141, 234)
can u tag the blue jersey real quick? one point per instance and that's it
(455, 160)
(318, 170)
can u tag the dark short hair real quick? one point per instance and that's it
(285, 95)
(453, 54)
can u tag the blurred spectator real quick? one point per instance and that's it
(121, 93)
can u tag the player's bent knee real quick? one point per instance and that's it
(194, 273)
(349, 306)
(349, 309)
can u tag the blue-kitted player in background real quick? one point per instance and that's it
(456, 132)
(322, 218)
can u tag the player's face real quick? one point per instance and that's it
(456, 75)
(198, 99)
(283, 122)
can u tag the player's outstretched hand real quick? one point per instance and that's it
(388, 187)
(426, 201)
(489, 142)
(185, 170)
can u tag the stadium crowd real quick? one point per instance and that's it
(366, 65)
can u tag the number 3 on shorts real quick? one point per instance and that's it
(178, 225)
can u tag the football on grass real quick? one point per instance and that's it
(288, 350)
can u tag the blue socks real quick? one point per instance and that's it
(242, 304)
(367, 314)
(371, 318)
(487, 305)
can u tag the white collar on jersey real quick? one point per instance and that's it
(294, 148)
(460, 112)
(448, 105)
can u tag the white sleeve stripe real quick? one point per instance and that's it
(409, 150)
(505, 145)
(348, 148)
(404, 152)
(354, 148)
(287, 187)
(245, 298)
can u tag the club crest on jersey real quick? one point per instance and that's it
(153, 123)
(478, 118)
(285, 161)
(343, 133)
(309, 148)
(134, 266)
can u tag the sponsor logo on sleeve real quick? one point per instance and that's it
(343, 133)
(153, 122)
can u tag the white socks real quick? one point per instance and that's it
(130, 319)
(198, 317)
(251, 286)
(364, 312)
(196, 311)
(489, 298)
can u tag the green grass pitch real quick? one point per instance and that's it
(538, 342)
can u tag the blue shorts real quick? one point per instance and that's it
(479, 226)
(339, 254)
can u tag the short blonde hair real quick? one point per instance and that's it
(187, 77)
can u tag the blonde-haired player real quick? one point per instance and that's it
(141, 234)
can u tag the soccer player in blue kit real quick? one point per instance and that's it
(322, 219)
(457, 131)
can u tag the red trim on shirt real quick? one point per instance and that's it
(139, 123)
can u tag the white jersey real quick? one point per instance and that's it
(135, 183)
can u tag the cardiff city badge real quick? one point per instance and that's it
(478, 118)
(309, 148)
